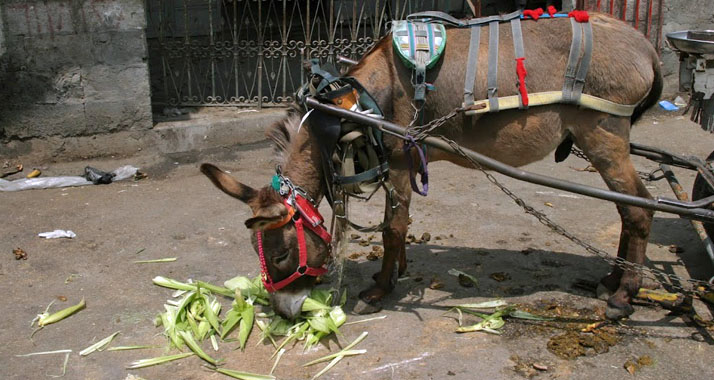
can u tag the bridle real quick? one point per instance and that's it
(303, 213)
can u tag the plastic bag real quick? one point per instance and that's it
(121, 173)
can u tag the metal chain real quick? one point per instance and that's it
(645, 176)
(674, 281)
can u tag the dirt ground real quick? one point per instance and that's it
(176, 212)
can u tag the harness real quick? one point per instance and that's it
(303, 213)
(574, 79)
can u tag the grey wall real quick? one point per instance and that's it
(682, 15)
(72, 68)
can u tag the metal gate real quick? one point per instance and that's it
(250, 52)
(644, 15)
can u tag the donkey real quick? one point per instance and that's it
(624, 69)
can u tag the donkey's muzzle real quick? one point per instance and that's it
(288, 303)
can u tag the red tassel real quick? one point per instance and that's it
(534, 14)
(552, 10)
(521, 71)
(580, 16)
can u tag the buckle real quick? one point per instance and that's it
(301, 270)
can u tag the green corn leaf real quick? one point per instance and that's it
(312, 304)
(214, 342)
(328, 367)
(526, 315)
(127, 348)
(243, 375)
(231, 321)
(172, 284)
(215, 289)
(158, 360)
(457, 273)
(191, 343)
(277, 359)
(99, 346)
(164, 260)
(246, 325)
(483, 305)
(319, 324)
(338, 316)
(348, 348)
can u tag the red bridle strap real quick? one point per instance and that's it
(303, 269)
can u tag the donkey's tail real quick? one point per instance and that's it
(654, 94)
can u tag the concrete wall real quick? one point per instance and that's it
(72, 68)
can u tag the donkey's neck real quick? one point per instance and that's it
(303, 165)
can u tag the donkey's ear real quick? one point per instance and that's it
(228, 184)
(266, 216)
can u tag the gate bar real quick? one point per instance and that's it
(701, 214)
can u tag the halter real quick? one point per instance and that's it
(303, 213)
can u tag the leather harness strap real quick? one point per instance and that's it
(472, 66)
(493, 29)
(578, 64)
(518, 50)
(437, 16)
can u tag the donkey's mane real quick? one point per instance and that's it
(283, 132)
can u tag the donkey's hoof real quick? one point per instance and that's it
(616, 312)
(363, 307)
(603, 292)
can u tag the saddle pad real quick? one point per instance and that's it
(418, 43)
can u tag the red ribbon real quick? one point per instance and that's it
(521, 71)
(533, 13)
(552, 10)
(580, 16)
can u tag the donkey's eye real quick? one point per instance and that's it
(281, 257)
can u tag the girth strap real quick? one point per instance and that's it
(493, 29)
(577, 69)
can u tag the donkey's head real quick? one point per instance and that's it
(287, 230)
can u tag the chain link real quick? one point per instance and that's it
(672, 280)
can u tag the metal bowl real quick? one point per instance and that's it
(692, 41)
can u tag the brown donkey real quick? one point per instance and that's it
(624, 70)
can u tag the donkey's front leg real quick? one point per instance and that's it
(393, 237)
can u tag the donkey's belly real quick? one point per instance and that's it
(513, 137)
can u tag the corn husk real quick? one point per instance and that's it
(99, 346)
(46, 318)
(158, 360)
(243, 375)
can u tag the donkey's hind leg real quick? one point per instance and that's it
(606, 143)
